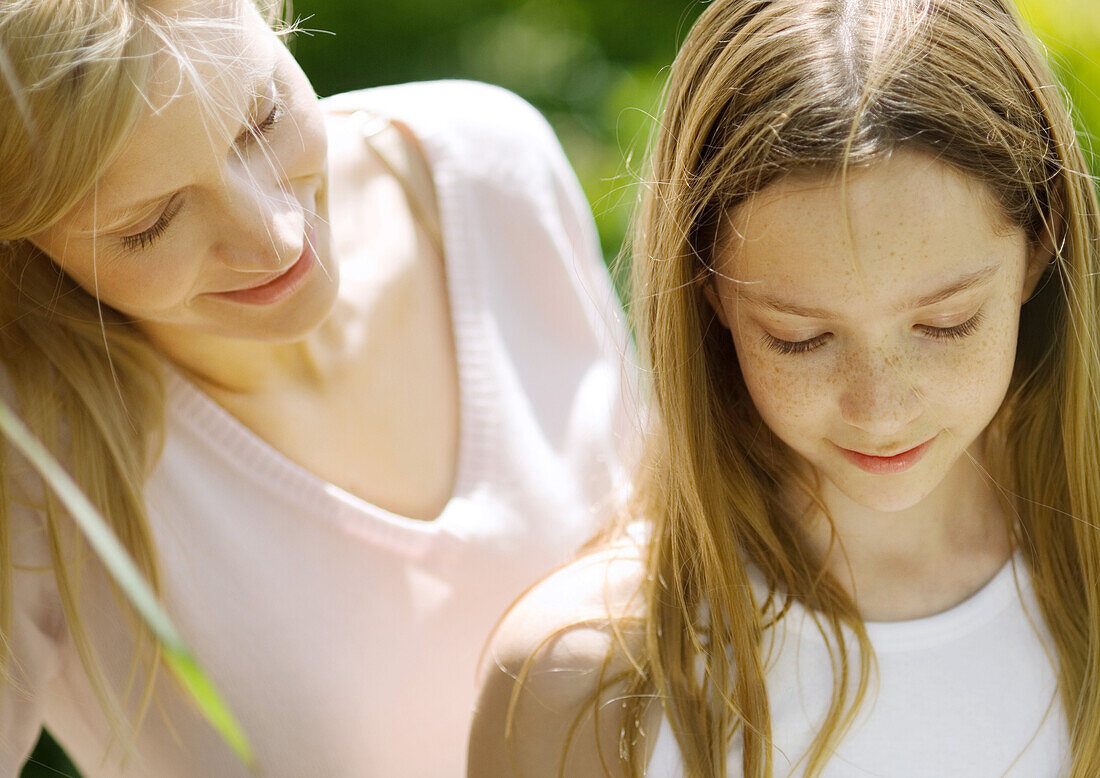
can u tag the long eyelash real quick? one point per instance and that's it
(145, 239)
(271, 119)
(263, 129)
(955, 333)
(794, 347)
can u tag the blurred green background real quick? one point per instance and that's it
(594, 67)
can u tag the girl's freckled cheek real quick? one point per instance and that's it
(784, 388)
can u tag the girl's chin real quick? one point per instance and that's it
(885, 494)
(895, 503)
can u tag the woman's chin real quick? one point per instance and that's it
(296, 317)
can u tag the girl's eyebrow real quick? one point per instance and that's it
(968, 281)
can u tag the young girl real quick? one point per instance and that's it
(865, 539)
(340, 376)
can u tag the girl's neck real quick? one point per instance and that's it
(919, 561)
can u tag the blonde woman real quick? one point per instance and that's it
(342, 376)
(865, 538)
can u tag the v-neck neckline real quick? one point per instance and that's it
(478, 425)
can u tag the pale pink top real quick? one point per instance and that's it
(345, 637)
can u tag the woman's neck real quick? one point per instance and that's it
(919, 561)
(239, 367)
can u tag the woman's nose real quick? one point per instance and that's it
(262, 225)
(880, 394)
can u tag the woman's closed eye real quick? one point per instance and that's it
(957, 332)
(262, 128)
(147, 237)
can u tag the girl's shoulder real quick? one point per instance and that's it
(578, 601)
(563, 651)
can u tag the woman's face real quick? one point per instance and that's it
(875, 327)
(212, 219)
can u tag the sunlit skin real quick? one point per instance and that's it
(240, 165)
(240, 168)
(877, 375)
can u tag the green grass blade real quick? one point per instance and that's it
(204, 693)
(129, 580)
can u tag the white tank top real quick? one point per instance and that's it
(967, 693)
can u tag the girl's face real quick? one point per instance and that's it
(212, 219)
(877, 321)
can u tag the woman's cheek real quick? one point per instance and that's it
(145, 285)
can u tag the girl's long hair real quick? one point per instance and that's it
(73, 75)
(761, 89)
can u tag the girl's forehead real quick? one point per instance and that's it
(891, 233)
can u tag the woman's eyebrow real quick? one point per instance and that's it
(122, 217)
(255, 95)
(968, 281)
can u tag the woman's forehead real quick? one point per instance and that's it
(207, 49)
(208, 71)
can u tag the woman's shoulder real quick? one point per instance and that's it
(482, 118)
(564, 651)
(490, 153)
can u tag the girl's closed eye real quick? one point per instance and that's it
(261, 129)
(968, 327)
(795, 346)
(957, 332)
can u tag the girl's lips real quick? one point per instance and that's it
(898, 463)
(282, 286)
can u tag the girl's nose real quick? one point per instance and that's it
(880, 395)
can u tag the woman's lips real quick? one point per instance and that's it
(898, 463)
(282, 286)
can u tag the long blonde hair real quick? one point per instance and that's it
(72, 81)
(761, 89)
